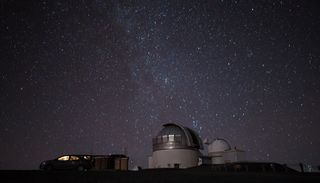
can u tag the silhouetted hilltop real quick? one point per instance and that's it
(153, 175)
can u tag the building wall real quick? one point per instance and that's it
(234, 156)
(150, 162)
(218, 159)
(108, 162)
(227, 157)
(169, 158)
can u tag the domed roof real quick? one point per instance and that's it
(174, 136)
(219, 145)
(170, 129)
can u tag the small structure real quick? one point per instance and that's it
(110, 162)
(175, 146)
(220, 152)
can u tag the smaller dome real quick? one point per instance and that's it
(219, 145)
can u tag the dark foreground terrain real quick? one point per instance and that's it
(155, 175)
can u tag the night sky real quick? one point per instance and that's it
(103, 77)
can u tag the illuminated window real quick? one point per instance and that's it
(63, 158)
(74, 158)
(87, 157)
(171, 138)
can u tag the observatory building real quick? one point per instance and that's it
(175, 146)
(220, 152)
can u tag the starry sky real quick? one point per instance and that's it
(103, 77)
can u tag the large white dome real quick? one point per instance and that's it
(174, 136)
(219, 145)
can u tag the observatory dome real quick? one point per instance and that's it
(174, 136)
(219, 145)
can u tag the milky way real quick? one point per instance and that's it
(103, 76)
